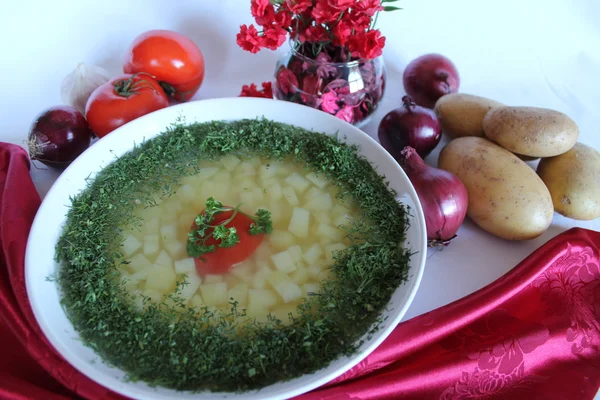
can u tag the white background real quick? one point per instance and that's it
(543, 53)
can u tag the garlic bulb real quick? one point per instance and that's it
(77, 87)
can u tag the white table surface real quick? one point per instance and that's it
(543, 53)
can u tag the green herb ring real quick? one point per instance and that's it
(179, 347)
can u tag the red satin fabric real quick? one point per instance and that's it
(532, 334)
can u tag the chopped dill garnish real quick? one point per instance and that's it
(174, 345)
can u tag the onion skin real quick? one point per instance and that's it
(442, 194)
(58, 136)
(429, 77)
(410, 125)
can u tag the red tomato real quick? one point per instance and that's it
(174, 59)
(223, 258)
(121, 100)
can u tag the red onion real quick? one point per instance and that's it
(429, 77)
(58, 136)
(442, 194)
(410, 125)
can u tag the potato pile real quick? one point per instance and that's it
(489, 146)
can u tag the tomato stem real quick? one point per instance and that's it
(171, 91)
(127, 87)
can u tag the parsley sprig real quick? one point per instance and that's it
(228, 236)
(196, 243)
(262, 222)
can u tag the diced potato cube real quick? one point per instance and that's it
(299, 223)
(312, 192)
(230, 162)
(151, 245)
(152, 211)
(220, 189)
(300, 275)
(206, 173)
(298, 182)
(189, 289)
(138, 263)
(331, 250)
(186, 193)
(259, 195)
(329, 232)
(259, 279)
(283, 261)
(339, 209)
(245, 169)
(161, 279)
(154, 296)
(309, 288)
(322, 202)
(296, 253)
(242, 271)
(283, 312)
(280, 212)
(287, 289)
(139, 276)
(196, 301)
(342, 220)
(319, 181)
(263, 253)
(186, 220)
(239, 293)
(151, 225)
(274, 192)
(247, 200)
(185, 266)
(261, 298)
(168, 233)
(313, 253)
(130, 245)
(281, 168)
(290, 195)
(281, 239)
(266, 171)
(214, 294)
(172, 206)
(315, 270)
(164, 260)
(210, 278)
(176, 249)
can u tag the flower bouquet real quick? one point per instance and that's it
(335, 63)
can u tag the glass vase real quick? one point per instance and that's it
(350, 90)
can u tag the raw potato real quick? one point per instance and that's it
(506, 197)
(573, 179)
(462, 114)
(531, 131)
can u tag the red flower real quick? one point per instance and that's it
(252, 91)
(273, 38)
(367, 45)
(358, 21)
(258, 8)
(341, 5)
(248, 39)
(313, 34)
(298, 6)
(341, 32)
(368, 7)
(324, 12)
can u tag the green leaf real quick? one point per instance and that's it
(388, 1)
(391, 8)
(262, 223)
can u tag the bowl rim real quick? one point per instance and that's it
(345, 130)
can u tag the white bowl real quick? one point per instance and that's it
(46, 229)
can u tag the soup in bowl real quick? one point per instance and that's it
(223, 248)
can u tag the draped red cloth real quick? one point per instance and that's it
(532, 334)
